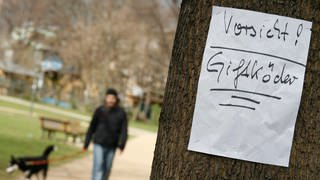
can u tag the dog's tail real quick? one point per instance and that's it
(48, 151)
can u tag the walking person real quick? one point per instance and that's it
(108, 127)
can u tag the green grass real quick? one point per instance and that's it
(144, 126)
(20, 135)
(151, 125)
(38, 111)
(85, 113)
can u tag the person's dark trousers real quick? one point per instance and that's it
(102, 162)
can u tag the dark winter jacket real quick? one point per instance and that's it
(109, 127)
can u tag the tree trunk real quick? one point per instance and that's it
(172, 160)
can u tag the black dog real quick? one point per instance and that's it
(32, 165)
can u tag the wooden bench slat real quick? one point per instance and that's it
(72, 128)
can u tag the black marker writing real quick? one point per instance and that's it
(234, 26)
(249, 69)
(299, 31)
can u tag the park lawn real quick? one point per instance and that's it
(85, 113)
(20, 135)
(145, 126)
(40, 112)
(152, 125)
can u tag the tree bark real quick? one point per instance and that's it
(172, 160)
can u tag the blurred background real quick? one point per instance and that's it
(57, 57)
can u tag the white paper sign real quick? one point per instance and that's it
(250, 86)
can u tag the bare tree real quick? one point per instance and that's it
(107, 42)
(172, 160)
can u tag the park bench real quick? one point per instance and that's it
(69, 128)
(74, 129)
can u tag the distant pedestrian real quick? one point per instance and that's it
(108, 127)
